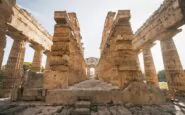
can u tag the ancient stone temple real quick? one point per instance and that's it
(163, 25)
(91, 64)
(66, 85)
(118, 63)
(67, 65)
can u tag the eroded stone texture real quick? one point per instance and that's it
(67, 65)
(173, 67)
(2, 47)
(6, 12)
(119, 62)
(169, 15)
(37, 59)
(14, 67)
(24, 23)
(150, 71)
(48, 54)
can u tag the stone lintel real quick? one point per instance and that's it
(168, 34)
(37, 46)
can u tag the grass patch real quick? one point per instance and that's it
(163, 85)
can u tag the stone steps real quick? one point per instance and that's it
(81, 111)
(83, 104)
(82, 107)
(12, 109)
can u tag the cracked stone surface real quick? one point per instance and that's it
(38, 108)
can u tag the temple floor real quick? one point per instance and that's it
(92, 85)
(38, 108)
(85, 107)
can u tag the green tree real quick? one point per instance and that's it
(161, 76)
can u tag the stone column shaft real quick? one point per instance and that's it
(14, 67)
(3, 29)
(47, 67)
(2, 47)
(37, 60)
(88, 72)
(150, 71)
(173, 68)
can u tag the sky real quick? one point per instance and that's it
(91, 15)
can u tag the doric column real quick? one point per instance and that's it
(48, 54)
(14, 67)
(173, 68)
(88, 72)
(37, 59)
(150, 71)
(3, 29)
(2, 47)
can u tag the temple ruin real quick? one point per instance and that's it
(67, 64)
(67, 86)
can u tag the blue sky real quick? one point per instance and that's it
(91, 15)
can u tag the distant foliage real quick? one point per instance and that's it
(161, 76)
(27, 65)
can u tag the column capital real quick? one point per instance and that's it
(36, 46)
(149, 45)
(169, 33)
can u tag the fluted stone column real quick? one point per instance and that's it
(3, 29)
(48, 54)
(2, 47)
(14, 67)
(173, 68)
(37, 59)
(150, 71)
(88, 72)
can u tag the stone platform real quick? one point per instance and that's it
(102, 93)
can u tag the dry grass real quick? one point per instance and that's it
(163, 85)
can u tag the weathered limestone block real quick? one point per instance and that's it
(141, 93)
(119, 61)
(67, 65)
(33, 94)
(173, 68)
(55, 79)
(136, 93)
(59, 60)
(60, 46)
(34, 80)
(150, 71)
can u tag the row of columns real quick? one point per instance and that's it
(14, 69)
(173, 68)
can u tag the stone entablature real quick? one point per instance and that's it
(163, 25)
(107, 26)
(92, 61)
(24, 23)
(171, 14)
